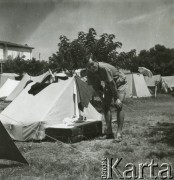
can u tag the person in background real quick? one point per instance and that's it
(115, 85)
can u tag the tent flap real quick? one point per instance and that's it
(8, 149)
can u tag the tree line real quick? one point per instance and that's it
(74, 54)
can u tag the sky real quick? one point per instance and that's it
(138, 24)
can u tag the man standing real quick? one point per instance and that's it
(114, 88)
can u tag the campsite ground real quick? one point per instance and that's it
(148, 134)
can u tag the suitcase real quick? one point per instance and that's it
(80, 131)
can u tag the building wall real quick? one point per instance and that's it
(15, 52)
(27, 55)
(1, 54)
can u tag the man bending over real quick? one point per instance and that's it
(114, 88)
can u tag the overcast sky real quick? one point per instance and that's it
(138, 24)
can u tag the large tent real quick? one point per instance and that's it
(8, 87)
(29, 115)
(136, 86)
(5, 76)
(23, 82)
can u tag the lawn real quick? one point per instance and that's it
(148, 134)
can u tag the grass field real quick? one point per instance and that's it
(148, 134)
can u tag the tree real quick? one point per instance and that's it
(54, 62)
(74, 55)
(159, 59)
(19, 65)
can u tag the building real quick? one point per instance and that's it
(13, 50)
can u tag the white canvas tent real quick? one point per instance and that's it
(169, 81)
(28, 116)
(23, 82)
(136, 86)
(152, 81)
(5, 76)
(8, 87)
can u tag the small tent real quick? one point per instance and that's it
(152, 81)
(5, 76)
(29, 115)
(169, 81)
(8, 149)
(8, 87)
(136, 86)
(23, 82)
(60, 76)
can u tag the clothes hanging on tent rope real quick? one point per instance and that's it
(84, 94)
(36, 88)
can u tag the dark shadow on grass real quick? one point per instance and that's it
(160, 155)
(165, 131)
(12, 165)
(161, 133)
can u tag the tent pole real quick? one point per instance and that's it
(156, 83)
(1, 69)
(155, 90)
(74, 97)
